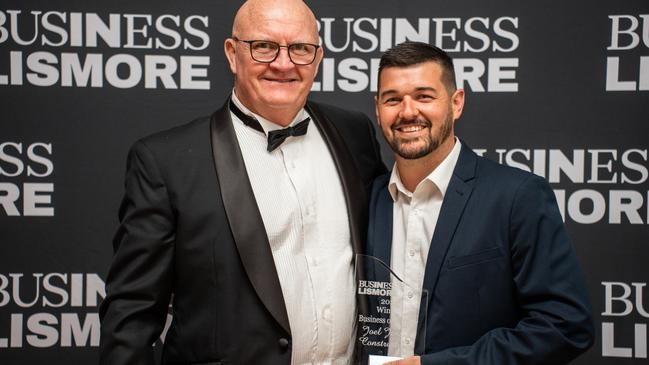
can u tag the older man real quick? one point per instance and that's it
(246, 221)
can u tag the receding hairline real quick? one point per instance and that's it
(252, 9)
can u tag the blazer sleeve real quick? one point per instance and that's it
(557, 324)
(139, 282)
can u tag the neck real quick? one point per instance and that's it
(412, 172)
(280, 116)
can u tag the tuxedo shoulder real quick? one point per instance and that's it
(338, 114)
(188, 133)
(330, 109)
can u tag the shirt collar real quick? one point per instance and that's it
(266, 124)
(440, 177)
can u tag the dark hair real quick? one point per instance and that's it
(413, 53)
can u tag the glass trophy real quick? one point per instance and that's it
(380, 291)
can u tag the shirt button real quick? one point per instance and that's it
(411, 253)
(407, 341)
(410, 295)
(326, 313)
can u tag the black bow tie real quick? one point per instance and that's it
(276, 137)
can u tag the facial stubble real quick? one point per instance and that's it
(404, 147)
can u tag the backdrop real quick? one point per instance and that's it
(557, 88)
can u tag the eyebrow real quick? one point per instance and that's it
(270, 39)
(419, 88)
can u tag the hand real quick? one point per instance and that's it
(412, 360)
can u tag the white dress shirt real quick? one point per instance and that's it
(300, 198)
(414, 219)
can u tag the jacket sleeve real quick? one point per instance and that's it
(139, 282)
(556, 325)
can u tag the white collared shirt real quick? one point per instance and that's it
(414, 219)
(300, 197)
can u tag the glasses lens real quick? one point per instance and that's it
(302, 53)
(264, 51)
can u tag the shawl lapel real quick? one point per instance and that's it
(243, 215)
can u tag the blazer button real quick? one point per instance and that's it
(283, 342)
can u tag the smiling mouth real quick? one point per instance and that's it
(411, 127)
(281, 81)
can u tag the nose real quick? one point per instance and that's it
(408, 109)
(282, 61)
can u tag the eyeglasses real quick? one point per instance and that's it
(301, 54)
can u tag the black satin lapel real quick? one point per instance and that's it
(351, 182)
(243, 215)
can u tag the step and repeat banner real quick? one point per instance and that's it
(557, 88)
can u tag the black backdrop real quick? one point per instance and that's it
(558, 88)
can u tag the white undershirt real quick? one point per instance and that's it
(414, 219)
(301, 201)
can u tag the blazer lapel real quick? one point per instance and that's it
(351, 182)
(243, 215)
(458, 193)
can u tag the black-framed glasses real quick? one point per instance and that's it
(301, 54)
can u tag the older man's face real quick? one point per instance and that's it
(279, 84)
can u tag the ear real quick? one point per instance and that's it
(230, 50)
(457, 103)
(318, 58)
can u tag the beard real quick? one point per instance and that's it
(414, 148)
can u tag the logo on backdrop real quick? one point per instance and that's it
(72, 49)
(627, 61)
(591, 185)
(353, 47)
(50, 309)
(25, 173)
(625, 318)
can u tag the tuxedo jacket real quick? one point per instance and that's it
(191, 235)
(503, 282)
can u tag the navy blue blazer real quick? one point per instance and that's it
(504, 285)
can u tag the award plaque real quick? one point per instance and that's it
(379, 291)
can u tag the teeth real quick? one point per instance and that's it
(413, 128)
